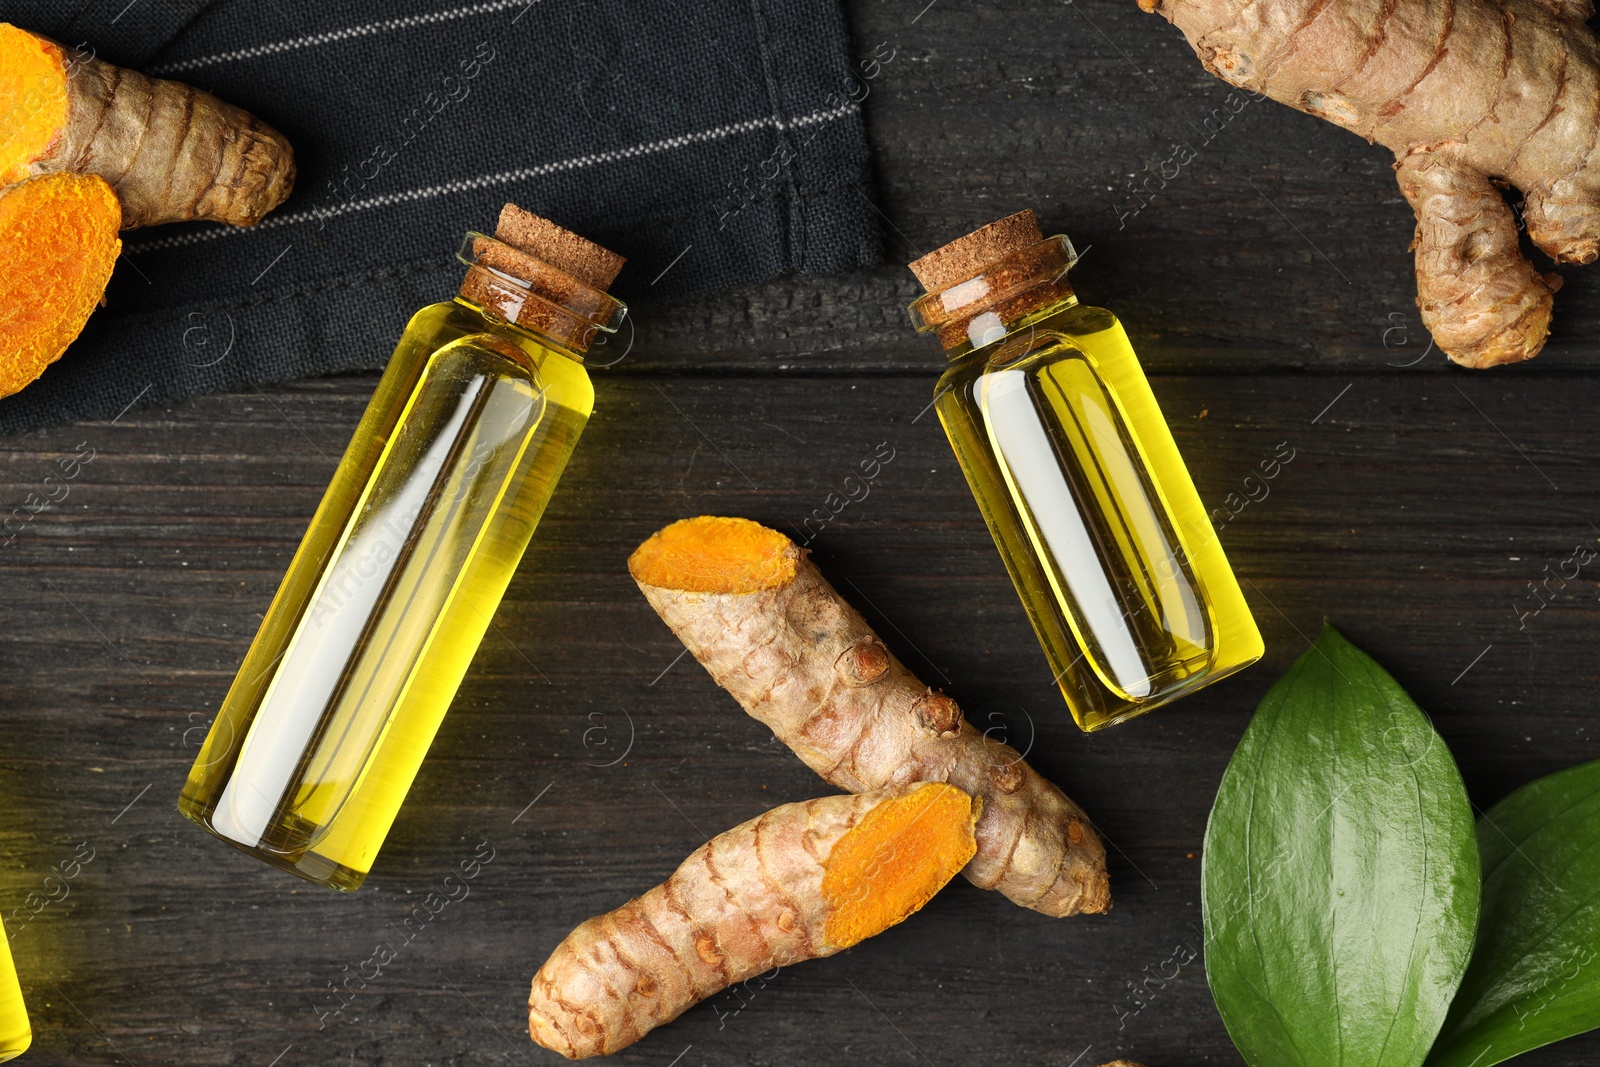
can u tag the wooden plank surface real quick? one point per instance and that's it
(1419, 503)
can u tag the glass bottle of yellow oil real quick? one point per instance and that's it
(15, 1032)
(1078, 478)
(408, 556)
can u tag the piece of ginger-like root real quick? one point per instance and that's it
(757, 613)
(1471, 96)
(58, 242)
(172, 153)
(801, 882)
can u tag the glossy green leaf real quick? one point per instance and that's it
(1340, 880)
(1535, 973)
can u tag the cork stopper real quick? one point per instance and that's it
(554, 281)
(586, 261)
(981, 285)
(966, 256)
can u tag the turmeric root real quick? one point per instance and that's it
(801, 882)
(172, 153)
(1471, 96)
(58, 241)
(771, 630)
(93, 148)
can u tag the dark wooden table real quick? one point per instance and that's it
(1269, 291)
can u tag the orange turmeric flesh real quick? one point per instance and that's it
(896, 859)
(33, 100)
(715, 555)
(58, 241)
(803, 881)
(761, 618)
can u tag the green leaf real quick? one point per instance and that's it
(1340, 878)
(1535, 974)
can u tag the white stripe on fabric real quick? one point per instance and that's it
(489, 7)
(484, 181)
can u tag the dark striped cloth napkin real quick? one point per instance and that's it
(712, 143)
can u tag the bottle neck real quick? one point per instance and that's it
(507, 285)
(1006, 294)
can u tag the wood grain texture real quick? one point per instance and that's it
(1419, 504)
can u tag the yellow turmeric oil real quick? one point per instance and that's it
(1078, 479)
(15, 1032)
(401, 571)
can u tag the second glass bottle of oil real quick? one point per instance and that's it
(407, 557)
(1078, 478)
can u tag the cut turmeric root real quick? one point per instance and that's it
(86, 149)
(172, 153)
(58, 241)
(771, 630)
(801, 882)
